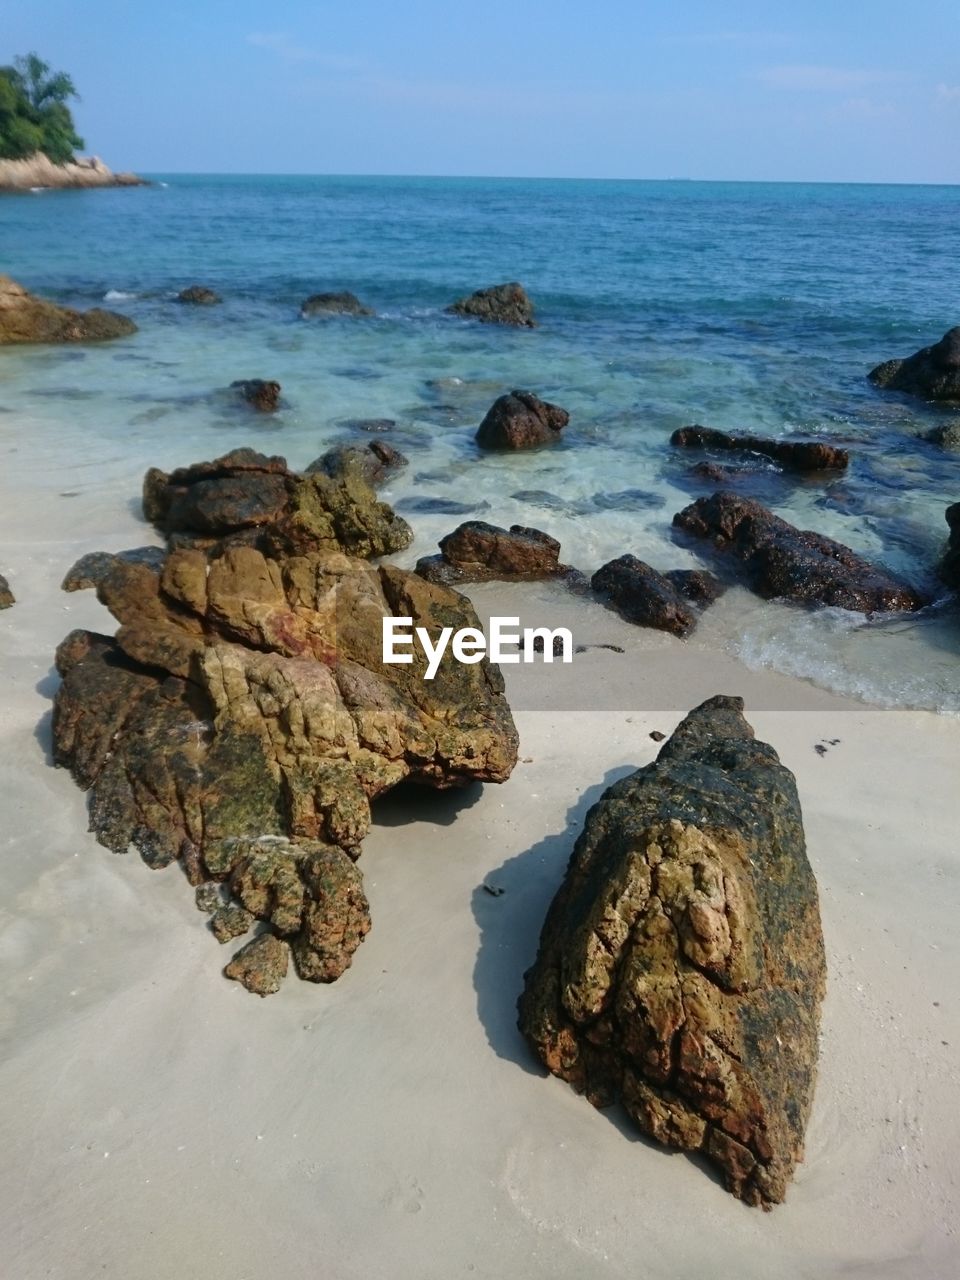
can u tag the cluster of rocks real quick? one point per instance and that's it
(25, 318)
(241, 720)
(681, 966)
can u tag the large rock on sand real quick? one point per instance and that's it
(26, 319)
(242, 718)
(521, 420)
(792, 455)
(932, 372)
(500, 304)
(794, 564)
(950, 566)
(250, 498)
(681, 966)
(481, 552)
(649, 598)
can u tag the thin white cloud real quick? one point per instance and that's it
(286, 47)
(820, 79)
(948, 93)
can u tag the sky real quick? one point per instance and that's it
(813, 91)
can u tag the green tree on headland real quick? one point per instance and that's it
(34, 115)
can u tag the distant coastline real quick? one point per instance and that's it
(39, 172)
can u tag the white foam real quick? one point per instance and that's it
(118, 295)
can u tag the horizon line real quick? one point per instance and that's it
(541, 177)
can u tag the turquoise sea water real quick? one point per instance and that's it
(757, 306)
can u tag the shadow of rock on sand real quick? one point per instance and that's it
(43, 733)
(416, 802)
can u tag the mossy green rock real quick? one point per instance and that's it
(681, 966)
(26, 319)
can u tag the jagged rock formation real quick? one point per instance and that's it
(242, 719)
(7, 597)
(521, 420)
(199, 296)
(338, 304)
(932, 372)
(480, 552)
(652, 599)
(793, 455)
(794, 564)
(376, 462)
(39, 170)
(27, 319)
(500, 304)
(950, 566)
(681, 966)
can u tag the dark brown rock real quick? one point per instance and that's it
(480, 552)
(340, 304)
(261, 965)
(932, 373)
(230, 921)
(794, 455)
(521, 420)
(26, 319)
(784, 562)
(7, 597)
(199, 295)
(501, 304)
(950, 566)
(259, 394)
(644, 596)
(376, 461)
(698, 585)
(91, 569)
(681, 966)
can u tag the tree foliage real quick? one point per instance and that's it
(34, 115)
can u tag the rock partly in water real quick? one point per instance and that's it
(932, 373)
(698, 585)
(334, 304)
(950, 566)
(521, 420)
(642, 595)
(481, 552)
(501, 304)
(376, 462)
(246, 497)
(199, 296)
(261, 965)
(681, 966)
(793, 455)
(7, 597)
(26, 319)
(947, 436)
(783, 562)
(262, 395)
(242, 719)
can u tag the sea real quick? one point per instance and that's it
(743, 306)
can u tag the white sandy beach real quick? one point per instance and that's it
(159, 1121)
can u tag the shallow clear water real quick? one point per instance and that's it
(757, 306)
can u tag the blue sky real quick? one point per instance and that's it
(811, 91)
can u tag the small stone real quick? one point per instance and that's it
(231, 921)
(208, 897)
(261, 965)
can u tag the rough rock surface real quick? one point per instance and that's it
(651, 599)
(698, 585)
(246, 497)
(91, 569)
(481, 552)
(932, 373)
(500, 304)
(794, 564)
(947, 436)
(340, 304)
(7, 597)
(376, 462)
(242, 719)
(521, 420)
(261, 965)
(26, 319)
(199, 296)
(681, 966)
(950, 566)
(794, 455)
(264, 396)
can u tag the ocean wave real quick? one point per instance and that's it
(118, 295)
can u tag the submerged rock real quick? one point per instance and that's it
(500, 304)
(794, 455)
(932, 372)
(946, 436)
(260, 395)
(7, 597)
(376, 462)
(27, 319)
(794, 564)
(339, 304)
(242, 719)
(950, 566)
(199, 296)
(651, 599)
(481, 552)
(521, 420)
(681, 966)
